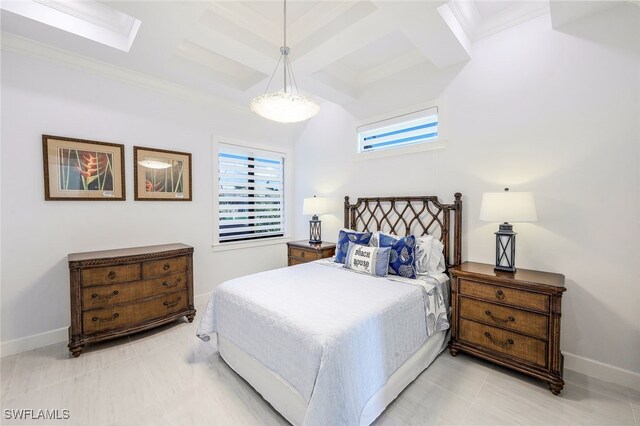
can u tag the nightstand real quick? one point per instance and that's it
(512, 319)
(304, 251)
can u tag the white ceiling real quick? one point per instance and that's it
(342, 51)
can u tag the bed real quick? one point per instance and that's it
(329, 346)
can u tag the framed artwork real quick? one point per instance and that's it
(161, 175)
(78, 169)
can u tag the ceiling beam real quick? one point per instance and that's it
(565, 12)
(356, 36)
(423, 24)
(233, 49)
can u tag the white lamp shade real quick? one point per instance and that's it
(314, 205)
(508, 206)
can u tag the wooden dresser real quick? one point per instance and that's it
(512, 319)
(117, 292)
(303, 251)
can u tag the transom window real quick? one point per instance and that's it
(250, 194)
(408, 129)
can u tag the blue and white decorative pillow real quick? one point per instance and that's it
(402, 257)
(346, 236)
(370, 260)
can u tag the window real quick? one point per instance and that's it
(409, 129)
(250, 194)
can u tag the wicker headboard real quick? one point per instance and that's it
(410, 215)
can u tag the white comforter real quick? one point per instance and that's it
(336, 336)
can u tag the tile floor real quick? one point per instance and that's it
(169, 377)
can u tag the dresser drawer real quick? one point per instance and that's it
(302, 254)
(108, 295)
(124, 315)
(510, 296)
(162, 267)
(501, 316)
(110, 274)
(516, 345)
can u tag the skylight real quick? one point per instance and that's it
(86, 18)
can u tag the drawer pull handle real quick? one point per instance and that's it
(172, 304)
(499, 294)
(112, 274)
(303, 253)
(166, 266)
(114, 316)
(105, 297)
(166, 284)
(490, 315)
(498, 342)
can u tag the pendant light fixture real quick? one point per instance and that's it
(286, 105)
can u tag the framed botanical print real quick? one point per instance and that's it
(161, 175)
(79, 169)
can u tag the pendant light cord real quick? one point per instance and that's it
(285, 46)
(286, 64)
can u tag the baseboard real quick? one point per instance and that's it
(602, 371)
(201, 299)
(35, 341)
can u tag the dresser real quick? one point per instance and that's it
(303, 251)
(118, 292)
(512, 319)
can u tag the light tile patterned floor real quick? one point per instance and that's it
(169, 377)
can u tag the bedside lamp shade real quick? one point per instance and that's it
(314, 206)
(507, 207)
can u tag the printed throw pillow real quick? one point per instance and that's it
(370, 260)
(423, 254)
(346, 236)
(401, 259)
(428, 253)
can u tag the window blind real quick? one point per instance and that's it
(250, 194)
(408, 129)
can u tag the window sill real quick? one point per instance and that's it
(392, 152)
(249, 244)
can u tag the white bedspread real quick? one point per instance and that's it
(336, 336)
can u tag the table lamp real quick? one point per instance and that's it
(314, 206)
(507, 207)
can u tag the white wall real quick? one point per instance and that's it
(40, 97)
(535, 110)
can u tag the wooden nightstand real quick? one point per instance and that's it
(304, 251)
(512, 319)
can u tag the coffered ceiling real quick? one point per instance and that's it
(342, 51)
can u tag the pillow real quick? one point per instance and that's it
(436, 258)
(370, 260)
(428, 253)
(401, 259)
(345, 236)
(423, 254)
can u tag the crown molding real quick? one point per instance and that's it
(21, 45)
(476, 27)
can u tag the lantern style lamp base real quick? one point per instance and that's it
(315, 230)
(505, 248)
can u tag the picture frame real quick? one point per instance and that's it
(82, 170)
(161, 175)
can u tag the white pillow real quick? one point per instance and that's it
(436, 259)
